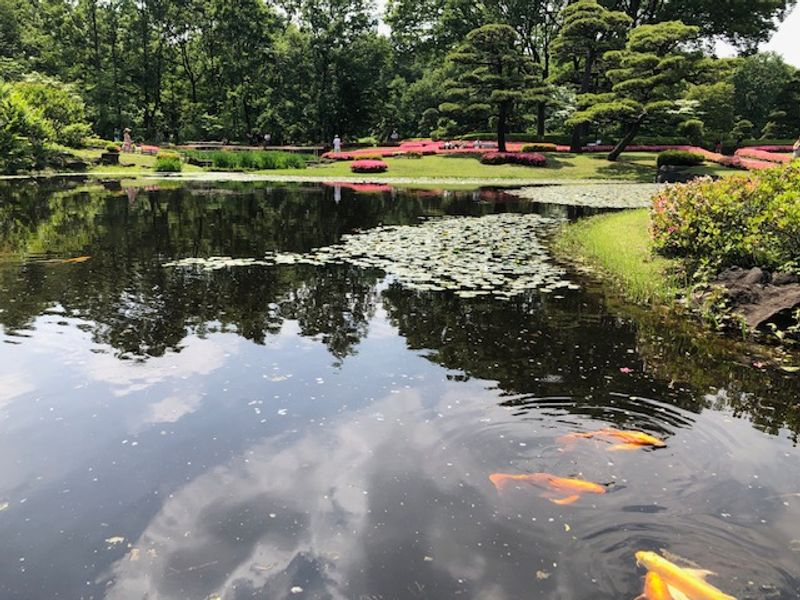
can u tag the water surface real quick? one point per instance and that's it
(323, 432)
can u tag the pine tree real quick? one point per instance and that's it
(493, 75)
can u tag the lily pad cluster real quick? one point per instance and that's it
(497, 255)
(622, 195)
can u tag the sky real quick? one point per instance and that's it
(785, 42)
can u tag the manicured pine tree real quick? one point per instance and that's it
(648, 76)
(493, 75)
(588, 32)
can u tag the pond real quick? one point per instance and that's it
(325, 431)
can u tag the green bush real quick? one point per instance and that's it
(681, 158)
(112, 147)
(539, 147)
(749, 220)
(23, 134)
(58, 104)
(262, 160)
(168, 162)
(75, 135)
(694, 130)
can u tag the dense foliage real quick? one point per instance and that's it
(751, 220)
(305, 70)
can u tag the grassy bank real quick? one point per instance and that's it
(619, 246)
(634, 167)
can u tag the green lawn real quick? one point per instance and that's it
(630, 167)
(619, 245)
(130, 164)
(638, 167)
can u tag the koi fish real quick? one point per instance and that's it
(681, 582)
(655, 588)
(630, 440)
(574, 487)
(77, 259)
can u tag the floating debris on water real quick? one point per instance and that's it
(113, 541)
(496, 255)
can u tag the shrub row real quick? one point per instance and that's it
(540, 147)
(250, 160)
(528, 159)
(745, 220)
(761, 154)
(682, 158)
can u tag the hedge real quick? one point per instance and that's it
(682, 158)
(528, 159)
(368, 166)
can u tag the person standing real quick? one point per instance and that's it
(127, 142)
(337, 144)
(796, 149)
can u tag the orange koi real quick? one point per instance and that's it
(574, 487)
(681, 582)
(655, 588)
(631, 440)
(77, 259)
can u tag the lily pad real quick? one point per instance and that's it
(498, 255)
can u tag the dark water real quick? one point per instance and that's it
(301, 432)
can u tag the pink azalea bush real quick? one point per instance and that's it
(765, 155)
(369, 166)
(745, 220)
(338, 156)
(528, 159)
(145, 149)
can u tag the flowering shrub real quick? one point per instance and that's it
(528, 159)
(114, 148)
(338, 156)
(745, 220)
(679, 158)
(145, 149)
(765, 155)
(539, 147)
(368, 166)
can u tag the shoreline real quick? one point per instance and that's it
(236, 176)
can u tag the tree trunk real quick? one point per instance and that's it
(540, 118)
(576, 142)
(626, 139)
(579, 131)
(501, 127)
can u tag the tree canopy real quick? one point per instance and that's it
(306, 70)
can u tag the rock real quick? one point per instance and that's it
(772, 301)
(758, 300)
(753, 276)
(677, 174)
(784, 278)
